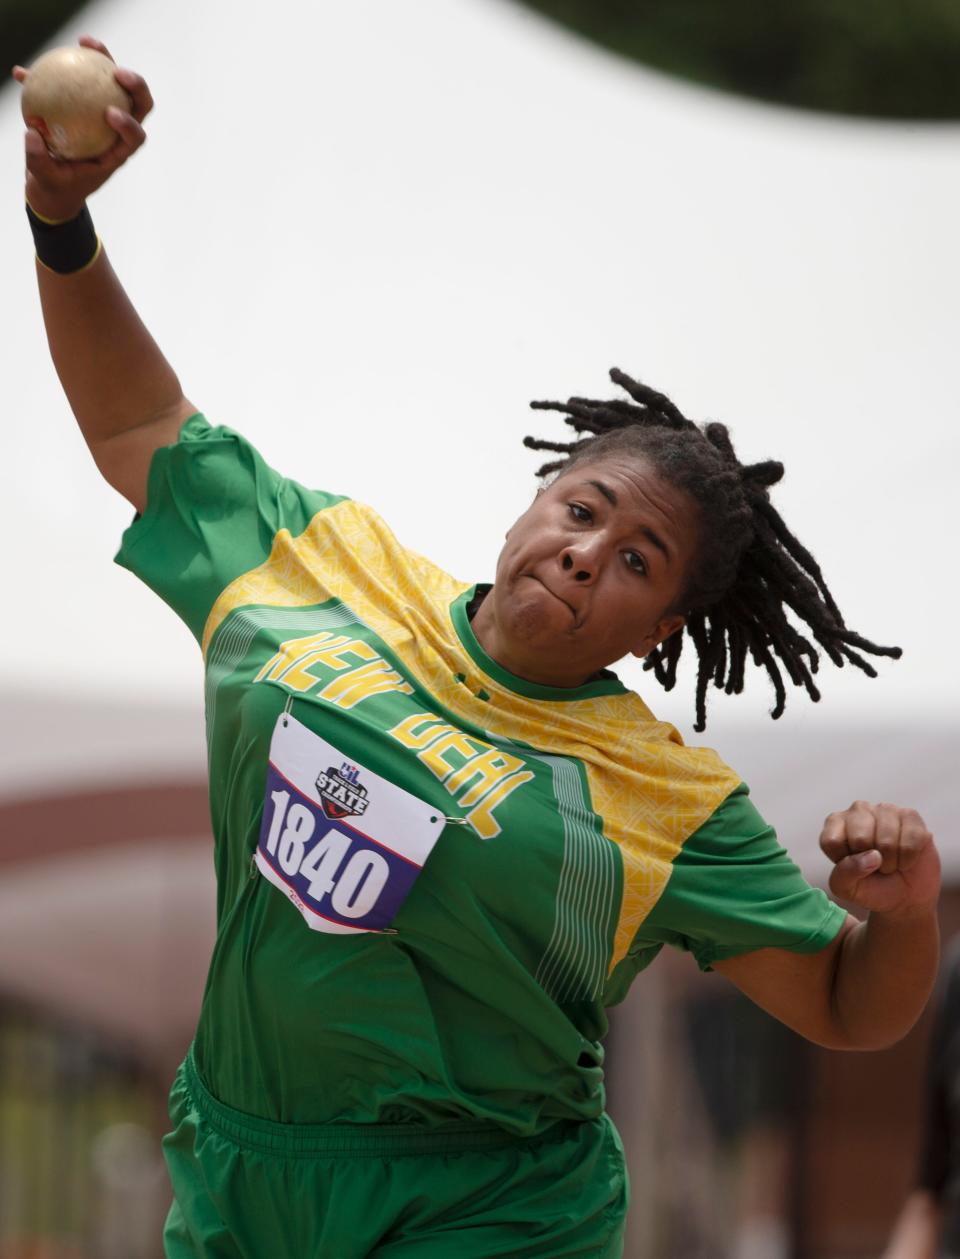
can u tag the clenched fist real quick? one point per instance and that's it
(884, 858)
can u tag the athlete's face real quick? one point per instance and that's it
(590, 573)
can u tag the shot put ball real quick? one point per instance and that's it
(65, 94)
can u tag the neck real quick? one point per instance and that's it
(526, 665)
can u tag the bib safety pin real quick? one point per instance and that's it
(286, 710)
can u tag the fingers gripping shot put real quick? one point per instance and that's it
(447, 837)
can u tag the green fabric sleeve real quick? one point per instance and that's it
(733, 889)
(213, 509)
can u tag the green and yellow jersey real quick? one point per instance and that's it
(433, 875)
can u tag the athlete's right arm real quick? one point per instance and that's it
(125, 395)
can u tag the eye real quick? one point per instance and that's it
(580, 513)
(636, 562)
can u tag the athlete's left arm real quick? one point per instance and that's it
(868, 987)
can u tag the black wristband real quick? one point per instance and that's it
(64, 247)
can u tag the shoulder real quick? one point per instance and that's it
(691, 781)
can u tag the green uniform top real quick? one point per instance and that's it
(432, 875)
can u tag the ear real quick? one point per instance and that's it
(661, 631)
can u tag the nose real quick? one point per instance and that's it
(580, 562)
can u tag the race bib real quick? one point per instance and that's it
(342, 843)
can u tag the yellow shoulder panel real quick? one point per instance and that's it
(346, 552)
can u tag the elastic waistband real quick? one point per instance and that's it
(357, 1140)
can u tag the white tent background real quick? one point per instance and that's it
(367, 234)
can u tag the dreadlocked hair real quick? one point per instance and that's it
(749, 569)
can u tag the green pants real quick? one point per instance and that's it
(247, 1188)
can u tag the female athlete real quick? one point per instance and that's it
(447, 837)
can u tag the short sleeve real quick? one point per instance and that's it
(213, 510)
(733, 889)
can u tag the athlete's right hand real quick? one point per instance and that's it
(57, 188)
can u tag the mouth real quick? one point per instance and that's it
(558, 598)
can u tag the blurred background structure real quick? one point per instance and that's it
(366, 235)
(889, 60)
